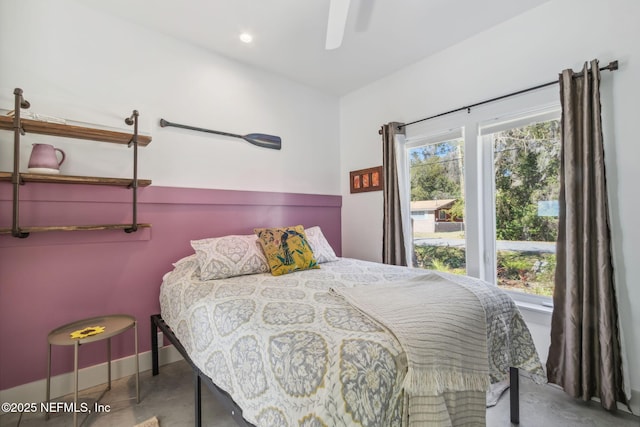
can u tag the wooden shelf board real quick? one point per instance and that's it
(74, 228)
(72, 131)
(73, 179)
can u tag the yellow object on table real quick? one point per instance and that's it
(87, 332)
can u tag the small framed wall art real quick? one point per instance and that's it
(366, 180)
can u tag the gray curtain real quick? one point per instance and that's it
(584, 355)
(393, 249)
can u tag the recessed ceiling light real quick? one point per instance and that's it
(246, 37)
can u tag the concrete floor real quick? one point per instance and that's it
(169, 397)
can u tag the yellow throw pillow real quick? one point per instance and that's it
(286, 249)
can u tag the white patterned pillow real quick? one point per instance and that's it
(229, 256)
(321, 248)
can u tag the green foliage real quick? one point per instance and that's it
(436, 171)
(439, 265)
(513, 266)
(457, 210)
(528, 272)
(547, 270)
(526, 165)
(441, 258)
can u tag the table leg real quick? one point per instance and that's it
(75, 380)
(46, 414)
(109, 362)
(135, 333)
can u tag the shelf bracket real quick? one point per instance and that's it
(16, 180)
(19, 234)
(133, 120)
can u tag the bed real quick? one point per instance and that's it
(291, 350)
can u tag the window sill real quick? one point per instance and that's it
(535, 313)
(532, 303)
(534, 307)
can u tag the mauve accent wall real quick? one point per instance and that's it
(52, 278)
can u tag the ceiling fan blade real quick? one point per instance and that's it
(338, 11)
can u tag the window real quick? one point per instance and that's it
(526, 167)
(437, 188)
(418, 214)
(496, 168)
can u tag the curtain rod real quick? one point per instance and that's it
(613, 65)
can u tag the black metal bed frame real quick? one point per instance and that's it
(199, 377)
(234, 410)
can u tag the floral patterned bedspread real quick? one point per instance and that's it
(290, 353)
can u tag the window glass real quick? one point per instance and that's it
(526, 166)
(437, 205)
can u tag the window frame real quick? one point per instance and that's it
(434, 137)
(484, 136)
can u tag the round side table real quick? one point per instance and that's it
(113, 325)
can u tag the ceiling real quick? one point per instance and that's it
(381, 36)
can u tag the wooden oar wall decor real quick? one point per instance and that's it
(259, 139)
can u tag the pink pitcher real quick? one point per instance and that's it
(44, 160)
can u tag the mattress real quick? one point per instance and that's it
(290, 352)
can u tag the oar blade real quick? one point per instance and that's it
(263, 140)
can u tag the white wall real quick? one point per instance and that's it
(77, 63)
(523, 52)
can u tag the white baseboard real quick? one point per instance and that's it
(91, 376)
(634, 403)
